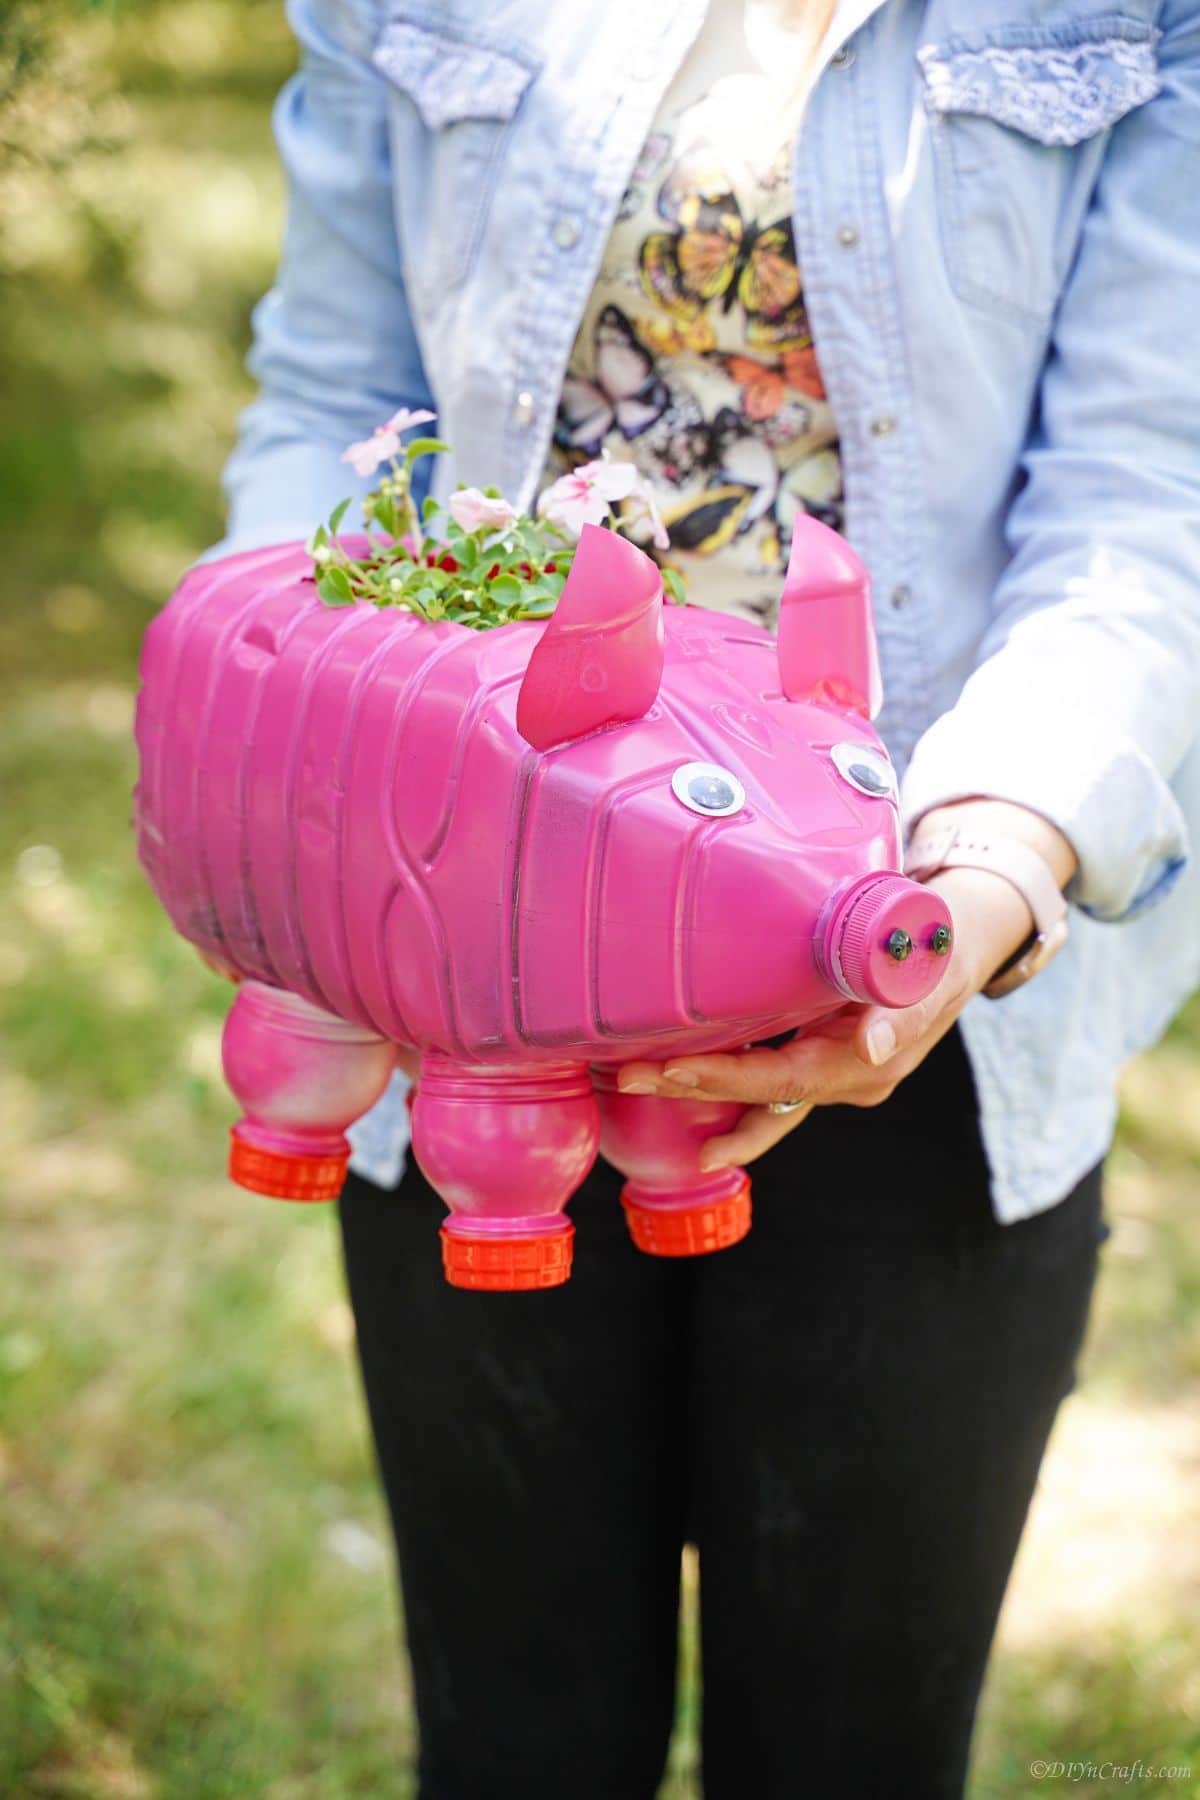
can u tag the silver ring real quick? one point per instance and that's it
(780, 1107)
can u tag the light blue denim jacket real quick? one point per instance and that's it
(1007, 334)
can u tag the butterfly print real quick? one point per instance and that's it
(745, 486)
(742, 481)
(713, 254)
(696, 359)
(626, 392)
(764, 385)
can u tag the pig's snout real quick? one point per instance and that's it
(887, 940)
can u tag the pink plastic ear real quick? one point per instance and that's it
(827, 649)
(600, 659)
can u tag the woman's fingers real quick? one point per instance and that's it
(749, 1075)
(856, 1057)
(757, 1130)
(806, 1069)
(884, 1032)
(856, 1060)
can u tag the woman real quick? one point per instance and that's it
(945, 314)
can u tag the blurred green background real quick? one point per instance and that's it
(195, 1585)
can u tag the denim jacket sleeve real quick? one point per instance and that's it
(334, 350)
(1086, 692)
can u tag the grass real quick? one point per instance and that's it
(195, 1583)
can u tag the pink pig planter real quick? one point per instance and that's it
(533, 853)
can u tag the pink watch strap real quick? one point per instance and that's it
(946, 847)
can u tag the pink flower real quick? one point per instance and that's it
(476, 511)
(586, 497)
(384, 442)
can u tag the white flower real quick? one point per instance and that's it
(476, 511)
(640, 517)
(384, 442)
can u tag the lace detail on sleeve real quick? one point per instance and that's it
(1056, 94)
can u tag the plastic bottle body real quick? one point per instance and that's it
(301, 1075)
(505, 1148)
(672, 1206)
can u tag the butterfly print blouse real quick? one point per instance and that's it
(695, 359)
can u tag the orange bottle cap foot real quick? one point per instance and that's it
(690, 1230)
(507, 1265)
(283, 1176)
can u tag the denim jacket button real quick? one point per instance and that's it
(523, 410)
(566, 232)
(848, 237)
(882, 425)
(901, 596)
(842, 59)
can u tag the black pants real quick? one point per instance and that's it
(845, 1413)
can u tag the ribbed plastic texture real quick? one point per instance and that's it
(690, 1230)
(397, 832)
(507, 1265)
(285, 1177)
(884, 906)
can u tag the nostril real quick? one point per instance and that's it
(871, 934)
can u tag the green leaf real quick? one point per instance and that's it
(423, 447)
(505, 588)
(337, 515)
(675, 585)
(334, 587)
(429, 508)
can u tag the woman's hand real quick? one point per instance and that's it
(860, 1056)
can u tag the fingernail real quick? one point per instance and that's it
(682, 1077)
(710, 1164)
(881, 1041)
(635, 1087)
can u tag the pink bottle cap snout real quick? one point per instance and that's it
(888, 941)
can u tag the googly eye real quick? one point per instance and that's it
(708, 789)
(866, 770)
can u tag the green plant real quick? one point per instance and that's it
(478, 561)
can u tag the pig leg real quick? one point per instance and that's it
(301, 1075)
(505, 1147)
(673, 1208)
